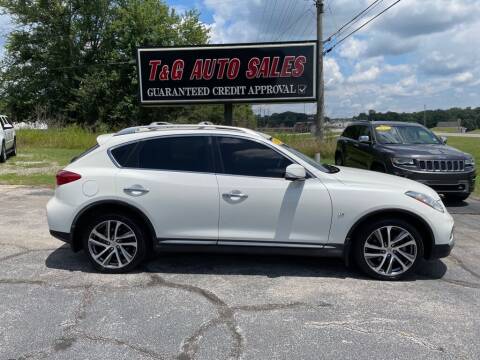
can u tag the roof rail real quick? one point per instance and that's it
(201, 126)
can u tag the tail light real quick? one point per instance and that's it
(65, 177)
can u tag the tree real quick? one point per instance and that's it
(73, 60)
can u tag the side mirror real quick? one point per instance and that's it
(295, 172)
(444, 139)
(364, 139)
(8, 126)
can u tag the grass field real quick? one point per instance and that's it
(445, 130)
(41, 153)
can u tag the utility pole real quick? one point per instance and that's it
(319, 81)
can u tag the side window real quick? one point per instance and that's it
(189, 153)
(351, 132)
(2, 122)
(346, 132)
(364, 131)
(250, 158)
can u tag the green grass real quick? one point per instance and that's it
(309, 145)
(445, 130)
(72, 137)
(35, 165)
(41, 153)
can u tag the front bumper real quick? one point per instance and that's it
(442, 183)
(65, 237)
(442, 250)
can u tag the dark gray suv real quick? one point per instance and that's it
(409, 150)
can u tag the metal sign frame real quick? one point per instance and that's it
(279, 99)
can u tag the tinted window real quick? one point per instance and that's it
(351, 132)
(249, 158)
(191, 153)
(363, 131)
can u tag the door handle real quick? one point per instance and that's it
(235, 194)
(136, 190)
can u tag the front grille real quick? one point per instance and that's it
(441, 165)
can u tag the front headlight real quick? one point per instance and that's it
(403, 161)
(470, 162)
(427, 200)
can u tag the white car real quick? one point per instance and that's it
(8, 140)
(216, 188)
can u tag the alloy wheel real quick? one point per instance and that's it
(112, 244)
(390, 250)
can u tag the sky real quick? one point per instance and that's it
(420, 53)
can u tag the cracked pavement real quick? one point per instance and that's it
(204, 306)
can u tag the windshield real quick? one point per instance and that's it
(405, 134)
(310, 161)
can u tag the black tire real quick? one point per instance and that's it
(364, 234)
(134, 225)
(3, 154)
(456, 197)
(14, 149)
(338, 159)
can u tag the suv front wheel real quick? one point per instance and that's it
(3, 153)
(114, 243)
(388, 249)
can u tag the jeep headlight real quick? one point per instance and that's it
(427, 200)
(470, 162)
(403, 161)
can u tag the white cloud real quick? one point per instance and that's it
(367, 75)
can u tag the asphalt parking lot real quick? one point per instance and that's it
(199, 306)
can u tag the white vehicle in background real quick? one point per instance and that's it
(218, 188)
(8, 140)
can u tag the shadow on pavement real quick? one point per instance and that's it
(247, 265)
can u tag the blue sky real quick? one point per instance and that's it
(420, 52)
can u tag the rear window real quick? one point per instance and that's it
(187, 153)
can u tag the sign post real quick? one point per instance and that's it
(227, 74)
(228, 114)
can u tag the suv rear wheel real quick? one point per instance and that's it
(388, 249)
(14, 149)
(114, 243)
(338, 159)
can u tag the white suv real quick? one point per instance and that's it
(8, 140)
(216, 188)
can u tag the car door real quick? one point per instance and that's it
(361, 151)
(258, 206)
(350, 140)
(172, 179)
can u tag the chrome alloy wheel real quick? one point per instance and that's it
(390, 250)
(112, 244)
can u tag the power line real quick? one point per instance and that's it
(284, 17)
(270, 19)
(354, 19)
(292, 25)
(360, 27)
(261, 19)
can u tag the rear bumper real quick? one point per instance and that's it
(442, 183)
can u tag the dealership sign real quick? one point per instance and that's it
(257, 73)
